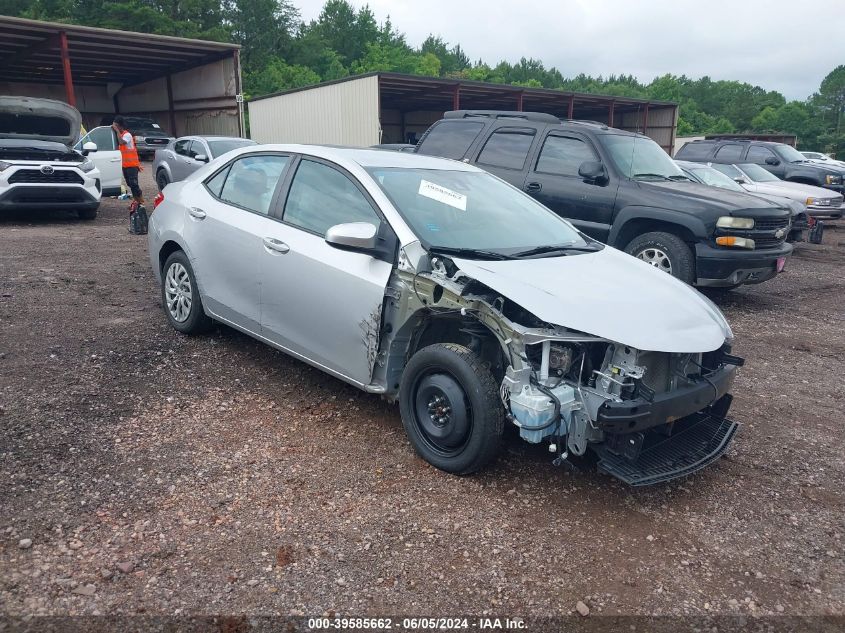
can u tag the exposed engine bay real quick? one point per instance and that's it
(573, 390)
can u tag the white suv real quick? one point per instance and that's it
(38, 167)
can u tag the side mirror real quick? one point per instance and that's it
(353, 236)
(771, 160)
(89, 147)
(201, 158)
(592, 170)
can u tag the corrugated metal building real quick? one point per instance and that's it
(393, 108)
(188, 86)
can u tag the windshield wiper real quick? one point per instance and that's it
(679, 177)
(468, 252)
(650, 176)
(540, 250)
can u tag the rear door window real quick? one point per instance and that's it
(730, 153)
(563, 155)
(252, 181)
(507, 147)
(181, 147)
(758, 154)
(450, 139)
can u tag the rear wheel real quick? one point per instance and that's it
(161, 179)
(666, 252)
(180, 296)
(451, 409)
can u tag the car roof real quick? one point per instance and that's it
(691, 164)
(367, 158)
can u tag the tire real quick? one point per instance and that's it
(187, 314)
(161, 179)
(453, 381)
(88, 214)
(665, 251)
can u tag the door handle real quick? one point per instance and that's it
(533, 187)
(199, 214)
(275, 245)
(114, 160)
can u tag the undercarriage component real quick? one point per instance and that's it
(695, 442)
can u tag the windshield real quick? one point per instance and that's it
(640, 158)
(790, 154)
(472, 210)
(714, 178)
(220, 147)
(757, 173)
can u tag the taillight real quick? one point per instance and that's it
(158, 199)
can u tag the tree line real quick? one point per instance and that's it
(281, 51)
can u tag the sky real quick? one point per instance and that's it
(783, 45)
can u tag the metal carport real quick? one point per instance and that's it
(189, 86)
(383, 107)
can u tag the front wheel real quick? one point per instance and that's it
(180, 296)
(88, 214)
(450, 408)
(666, 252)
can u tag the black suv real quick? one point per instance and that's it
(783, 160)
(148, 134)
(621, 188)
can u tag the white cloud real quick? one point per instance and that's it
(781, 45)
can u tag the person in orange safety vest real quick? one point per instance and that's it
(129, 157)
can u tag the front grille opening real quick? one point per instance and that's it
(36, 176)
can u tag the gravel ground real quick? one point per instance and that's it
(148, 472)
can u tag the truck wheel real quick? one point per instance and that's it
(180, 296)
(450, 408)
(664, 251)
(162, 180)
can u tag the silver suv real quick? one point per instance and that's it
(435, 284)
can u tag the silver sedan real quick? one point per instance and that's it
(435, 284)
(184, 155)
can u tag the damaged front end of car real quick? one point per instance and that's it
(647, 416)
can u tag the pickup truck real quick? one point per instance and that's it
(622, 189)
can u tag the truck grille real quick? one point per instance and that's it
(36, 176)
(770, 224)
(156, 141)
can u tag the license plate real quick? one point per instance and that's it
(780, 264)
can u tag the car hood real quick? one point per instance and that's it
(39, 119)
(695, 196)
(794, 190)
(611, 295)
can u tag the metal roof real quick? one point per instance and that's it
(431, 92)
(30, 52)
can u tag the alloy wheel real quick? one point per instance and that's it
(657, 258)
(177, 292)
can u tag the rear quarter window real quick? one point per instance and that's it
(450, 139)
(694, 151)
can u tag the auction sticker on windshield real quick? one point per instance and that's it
(442, 194)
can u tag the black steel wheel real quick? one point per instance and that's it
(450, 408)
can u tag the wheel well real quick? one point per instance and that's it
(463, 331)
(167, 249)
(633, 228)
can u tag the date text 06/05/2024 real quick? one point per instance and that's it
(415, 624)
